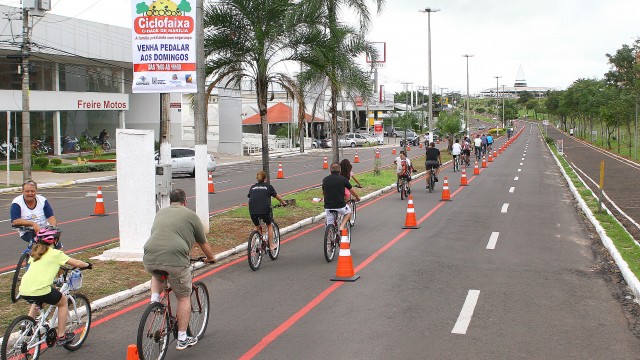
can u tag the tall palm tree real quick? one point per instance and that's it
(256, 39)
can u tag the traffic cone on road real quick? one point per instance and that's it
(495, 154)
(463, 178)
(408, 147)
(98, 210)
(393, 151)
(325, 164)
(280, 172)
(356, 159)
(476, 171)
(377, 154)
(410, 221)
(344, 270)
(484, 162)
(420, 145)
(210, 183)
(446, 196)
(490, 158)
(132, 352)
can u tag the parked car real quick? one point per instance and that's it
(415, 141)
(326, 143)
(352, 140)
(481, 127)
(397, 132)
(183, 161)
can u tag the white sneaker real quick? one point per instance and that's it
(188, 342)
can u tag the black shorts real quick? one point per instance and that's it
(51, 298)
(466, 152)
(265, 217)
(431, 164)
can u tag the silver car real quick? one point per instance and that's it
(352, 140)
(183, 161)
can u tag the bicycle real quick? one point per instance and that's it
(27, 338)
(404, 187)
(332, 236)
(352, 204)
(432, 180)
(258, 244)
(158, 322)
(23, 264)
(456, 163)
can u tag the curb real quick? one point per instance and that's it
(627, 274)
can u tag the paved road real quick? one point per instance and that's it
(530, 291)
(73, 204)
(621, 176)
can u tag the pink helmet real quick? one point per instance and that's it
(48, 235)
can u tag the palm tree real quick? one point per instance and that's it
(256, 39)
(337, 58)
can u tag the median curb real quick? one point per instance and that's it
(627, 274)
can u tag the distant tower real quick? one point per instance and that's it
(520, 81)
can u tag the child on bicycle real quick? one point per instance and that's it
(260, 204)
(403, 167)
(346, 170)
(44, 265)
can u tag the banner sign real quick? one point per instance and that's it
(164, 46)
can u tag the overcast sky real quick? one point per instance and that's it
(555, 41)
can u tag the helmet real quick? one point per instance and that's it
(48, 235)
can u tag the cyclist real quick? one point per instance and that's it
(333, 190)
(176, 229)
(477, 143)
(32, 210)
(483, 140)
(489, 142)
(44, 266)
(466, 149)
(346, 170)
(456, 150)
(433, 161)
(403, 167)
(259, 196)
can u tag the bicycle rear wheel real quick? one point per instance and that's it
(403, 189)
(276, 241)
(254, 250)
(330, 243)
(432, 182)
(79, 320)
(354, 213)
(21, 268)
(199, 310)
(153, 333)
(17, 338)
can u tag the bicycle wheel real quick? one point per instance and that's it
(17, 338)
(21, 268)
(79, 320)
(354, 213)
(153, 333)
(330, 243)
(254, 252)
(431, 182)
(398, 185)
(199, 310)
(276, 240)
(403, 189)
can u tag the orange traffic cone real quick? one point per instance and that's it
(393, 151)
(490, 158)
(420, 145)
(495, 154)
(356, 159)
(377, 154)
(280, 172)
(132, 352)
(410, 221)
(463, 179)
(325, 164)
(484, 162)
(344, 270)
(446, 196)
(98, 210)
(408, 148)
(210, 183)
(476, 171)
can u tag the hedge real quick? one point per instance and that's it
(84, 168)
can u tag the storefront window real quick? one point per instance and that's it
(84, 78)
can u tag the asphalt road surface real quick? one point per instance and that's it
(506, 270)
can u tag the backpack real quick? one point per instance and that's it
(466, 146)
(406, 169)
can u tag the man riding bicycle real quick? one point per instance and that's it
(466, 149)
(433, 161)
(176, 229)
(260, 204)
(456, 150)
(333, 188)
(31, 210)
(403, 167)
(477, 142)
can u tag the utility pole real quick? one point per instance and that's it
(497, 95)
(429, 11)
(406, 112)
(26, 119)
(503, 121)
(466, 114)
(200, 122)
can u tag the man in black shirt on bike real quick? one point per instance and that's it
(333, 187)
(433, 161)
(260, 204)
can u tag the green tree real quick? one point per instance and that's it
(251, 40)
(450, 124)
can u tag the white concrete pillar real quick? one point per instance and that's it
(136, 192)
(57, 145)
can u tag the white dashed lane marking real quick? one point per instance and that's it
(515, 178)
(493, 239)
(466, 313)
(512, 189)
(505, 206)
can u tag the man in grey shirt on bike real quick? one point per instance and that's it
(176, 229)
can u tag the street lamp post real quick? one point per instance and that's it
(466, 113)
(429, 11)
(497, 95)
(504, 123)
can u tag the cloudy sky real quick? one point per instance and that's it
(555, 41)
